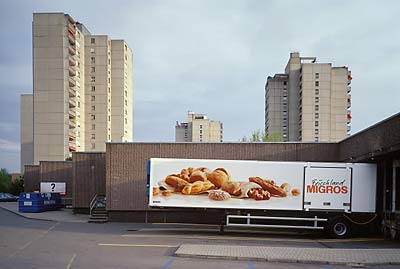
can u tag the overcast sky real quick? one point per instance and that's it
(213, 57)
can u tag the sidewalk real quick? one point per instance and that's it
(62, 215)
(350, 257)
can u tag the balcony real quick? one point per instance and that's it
(72, 134)
(72, 61)
(72, 50)
(72, 113)
(72, 92)
(71, 31)
(71, 40)
(72, 102)
(72, 125)
(72, 82)
(72, 71)
(349, 78)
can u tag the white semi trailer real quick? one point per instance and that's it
(305, 195)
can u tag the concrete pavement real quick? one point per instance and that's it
(62, 215)
(349, 257)
(283, 254)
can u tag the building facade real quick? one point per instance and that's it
(310, 102)
(199, 128)
(72, 107)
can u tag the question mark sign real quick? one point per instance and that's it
(53, 185)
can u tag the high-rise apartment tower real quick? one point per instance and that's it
(199, 128)
(82, 91)
(310, 102)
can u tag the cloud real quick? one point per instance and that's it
(213, 57)
(9, 146)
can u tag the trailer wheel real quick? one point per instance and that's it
(339, 228)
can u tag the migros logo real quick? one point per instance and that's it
(327, 186)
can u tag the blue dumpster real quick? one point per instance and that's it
(32, 202)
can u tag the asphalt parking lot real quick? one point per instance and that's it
(29, 243)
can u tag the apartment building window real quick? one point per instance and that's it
(316, 99)
(109, 61)
(93, 145)
(79, 104)
(109, 80)
(284, 83)
(126, 121)
(316, 115)
(93, 136)
(93, 79)
(316, 91)
(93, 41)
(316, 123)
(316, 132)
(92, 117)
(93, 98)
(93, 108)
(109, 118)
(317, 84)
(93, 126)
(93, 88)
(316, 75)
(126, 94)
(93, 69)
(126, 112)
(126, 47)
(316, 139)
(79, 74)
(92, 50)
(126, 102)
(201, 131)
(109, 90)
(109, 137)
(316, 107)
(126, 58)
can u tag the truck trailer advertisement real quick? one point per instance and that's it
(262, 185)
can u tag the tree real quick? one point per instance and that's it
(17, 187)
(258, 136)
(5, 180)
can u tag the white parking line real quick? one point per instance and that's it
(136, 245)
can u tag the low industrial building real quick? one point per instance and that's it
(121, 172)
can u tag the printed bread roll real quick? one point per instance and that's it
(156, 191)
(218, 177)
(219, 195)
(197, 175)
(176, 182)
(197, 187)
(232, 188)
(286, 187)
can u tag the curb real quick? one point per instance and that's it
(354, 264)
(336, 256)
(26, 217)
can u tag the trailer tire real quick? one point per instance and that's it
(339, 228)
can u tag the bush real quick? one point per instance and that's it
(5, 180)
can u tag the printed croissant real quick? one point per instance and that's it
(198, 187)
(176, 182)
